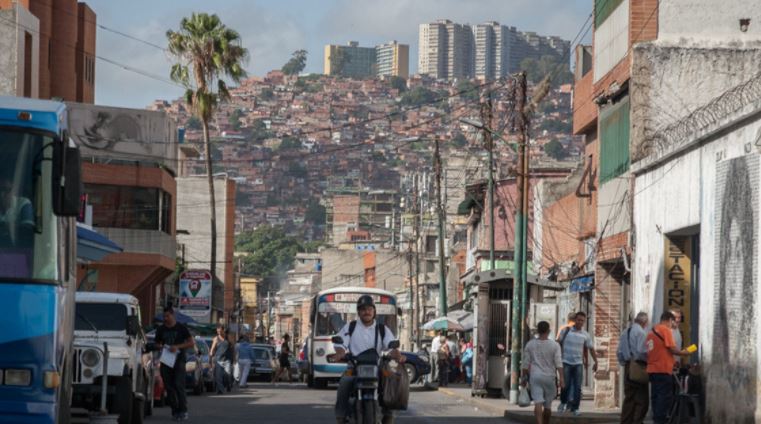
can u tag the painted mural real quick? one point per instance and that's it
(733, 366)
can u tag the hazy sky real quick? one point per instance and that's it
(273, 29)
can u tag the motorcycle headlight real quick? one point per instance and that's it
(190, 367)
(367, 371)
(90, 358)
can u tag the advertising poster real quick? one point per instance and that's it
(195, 295)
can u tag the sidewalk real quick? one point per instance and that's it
(514, 413)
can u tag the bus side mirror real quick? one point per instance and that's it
(67, 179)
(133, 325)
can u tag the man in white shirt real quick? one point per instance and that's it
(435, 347)
(542, 363)
(359, 336)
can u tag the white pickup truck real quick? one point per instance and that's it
(112, 319)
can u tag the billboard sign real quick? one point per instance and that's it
(195, 295)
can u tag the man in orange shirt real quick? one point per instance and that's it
(661, 349)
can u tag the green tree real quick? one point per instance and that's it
(555, 149)
(289, 143)
(207, 54)
(296, 64)
(193, 123)
(459, 140)
(266, 94)
(315, 213)
(468, 90)
(419, 96)
(270, 251)
(398, 83)
(234, 119)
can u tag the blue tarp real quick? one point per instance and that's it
(582, 284)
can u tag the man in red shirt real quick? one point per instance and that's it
(661, 349)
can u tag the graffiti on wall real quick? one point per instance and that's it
(733, 371)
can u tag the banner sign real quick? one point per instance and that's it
(677, 281)
(195, 295)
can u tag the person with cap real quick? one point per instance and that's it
(358, 336)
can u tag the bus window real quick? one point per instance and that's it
(27, 225)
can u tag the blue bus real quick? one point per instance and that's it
(40, 189)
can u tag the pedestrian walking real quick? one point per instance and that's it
(543, 372)
(245, 358)
(661, 349)
(632, 356)
(467, 361)
(220, 355)
(284, 360)
(574, 342)
(677, 333)
(445, 360)
(174, 338)
(435, 347)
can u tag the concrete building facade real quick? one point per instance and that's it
(445, 50)
(696, 203)
(52, 45)
(393, 59)
(193, 218)
(350, 60)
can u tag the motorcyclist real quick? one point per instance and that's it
(365, 334)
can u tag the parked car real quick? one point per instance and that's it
(194, 376)
(204, 348)
(417, 366)
(264, 363)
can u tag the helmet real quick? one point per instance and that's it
(365, 300)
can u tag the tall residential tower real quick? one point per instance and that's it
(393, 59)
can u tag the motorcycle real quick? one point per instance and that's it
(365, 368)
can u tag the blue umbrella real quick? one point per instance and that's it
(181, 318)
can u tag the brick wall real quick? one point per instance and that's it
(85, 55)
(584, 108)
(560, 231)
(63, 45)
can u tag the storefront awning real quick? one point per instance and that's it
(92, 246)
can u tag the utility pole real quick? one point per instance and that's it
(519, 274)
(416, 222)
(440, 213)
(486, 120)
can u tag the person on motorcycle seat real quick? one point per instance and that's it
(357, 338)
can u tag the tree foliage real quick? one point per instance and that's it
(459, 140)
(193, 123)
(468, 90)
(555, 150)
(289, 143)
(208, 53)
(234, 119)
(270, 251)
(536, 70)
(419, 96)
(398, 83)
(315, 213)
(296, 64)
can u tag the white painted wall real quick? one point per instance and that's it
(611, 40)
(679, 194)
(708, 21)
(613, 214)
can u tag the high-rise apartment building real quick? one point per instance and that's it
(350, 60)
(445, 50)
(393, 59)
(55, 45)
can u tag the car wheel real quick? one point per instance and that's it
(121, 401)
(411, 372)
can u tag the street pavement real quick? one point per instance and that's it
(294, 403)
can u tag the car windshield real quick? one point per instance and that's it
(28, 239)
(101, 317)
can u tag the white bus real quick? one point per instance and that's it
(330, 310)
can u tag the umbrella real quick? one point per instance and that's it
(181, 318)
(443, 323)
(462, 317)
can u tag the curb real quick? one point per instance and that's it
(475, 402)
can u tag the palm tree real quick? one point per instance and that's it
(207, 52)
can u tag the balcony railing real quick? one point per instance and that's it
(142, 241)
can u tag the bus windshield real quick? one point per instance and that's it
(329, 323)
(28, 245)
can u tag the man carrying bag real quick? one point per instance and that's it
(632, 356)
